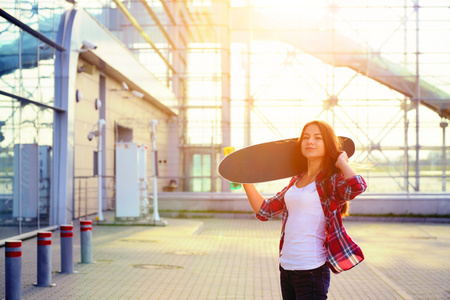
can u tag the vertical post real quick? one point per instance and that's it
(248, 94)
(417, 98)
(86, 241)
(143, 187)
(13, 269)
(154, 124)
(66, 248)
(79, 198)
(44, 259)
(101, 122)
(443, 125)
(226, 85)
(85, 198)
(406, 153)
(405, 110)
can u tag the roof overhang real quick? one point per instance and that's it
(113, 58)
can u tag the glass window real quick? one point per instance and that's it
(26, 143)
(41, 15)
(26, 65)
(9, 58)
(201, 173)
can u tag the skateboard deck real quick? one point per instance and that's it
(268, 161)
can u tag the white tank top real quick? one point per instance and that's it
(304, 239)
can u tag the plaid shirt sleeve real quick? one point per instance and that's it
(343, 252)
(347, 189)
(275, 205)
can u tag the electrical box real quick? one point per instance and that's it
(130, 168)
(44, 180)
(31, 180)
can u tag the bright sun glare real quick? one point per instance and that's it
(291, 62)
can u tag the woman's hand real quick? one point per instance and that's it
(342, 160)
(342, 163)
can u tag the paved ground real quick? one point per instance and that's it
(237, 259)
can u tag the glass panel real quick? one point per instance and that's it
(204, 126)
(206, 185)
(21, 72)
(218, 185)
(8, 109)
(47, 81)
(26, 143)
(26, 155)
(201, 173)
(206, 165)
(433, 175)
(41, 15)
(196, 185)
(196, 165)
(29, 73)
(9, 58)
(45, 138)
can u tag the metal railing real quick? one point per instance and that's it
(86, 195)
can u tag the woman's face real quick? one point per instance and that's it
(312, 144)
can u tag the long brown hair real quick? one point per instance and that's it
(333, 148)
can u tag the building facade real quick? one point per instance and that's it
(66, 105)
(80, 78)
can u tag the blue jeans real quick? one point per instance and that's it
(305, 284)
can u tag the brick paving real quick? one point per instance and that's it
(237, 259)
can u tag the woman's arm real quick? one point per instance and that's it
(266, 209)
(352, 184)
(342, 164)
(254, 197)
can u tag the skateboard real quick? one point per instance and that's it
(268, 161)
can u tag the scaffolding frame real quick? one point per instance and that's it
(227, 95)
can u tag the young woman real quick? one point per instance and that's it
(313, 239)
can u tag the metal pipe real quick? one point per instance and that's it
(154, 124)
(417, 99)
(79, 198)
(406, 127)
(444, 125)
(101, 122)
(85, 198)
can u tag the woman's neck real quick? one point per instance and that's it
(313, 167)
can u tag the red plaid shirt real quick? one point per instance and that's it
(343, 252)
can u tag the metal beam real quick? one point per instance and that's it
(168, 12)
(142, 32)
(28, 101)
(161, 28)
(31, 31)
